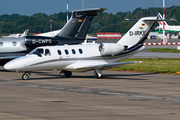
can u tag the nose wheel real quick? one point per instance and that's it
(25, 76)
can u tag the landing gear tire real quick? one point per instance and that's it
(98, 76)
(67, 74)
(25, 76)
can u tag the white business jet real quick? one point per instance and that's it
(17, 35)
(85, 56)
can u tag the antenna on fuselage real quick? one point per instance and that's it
(82, 4)
(67, 11)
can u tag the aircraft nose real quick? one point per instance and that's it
(11, 66)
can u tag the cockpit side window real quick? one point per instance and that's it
(73, 51)
(1, 44)
(59, 52)
(38, 52)
(66, 51)
(47, 52)
(80, 51)
(14, 43)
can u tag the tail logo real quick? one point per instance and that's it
(79, 20)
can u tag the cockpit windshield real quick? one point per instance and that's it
(37, 51)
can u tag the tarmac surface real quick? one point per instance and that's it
(146, 54)
(153, 55)
(117, 96)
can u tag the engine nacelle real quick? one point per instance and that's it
(111, 48)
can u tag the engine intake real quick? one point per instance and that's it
(111, 48)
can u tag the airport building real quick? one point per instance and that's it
(169, 34)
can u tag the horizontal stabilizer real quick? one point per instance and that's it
(171, 19)
(90, 11)
(161, 20)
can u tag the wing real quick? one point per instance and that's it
(11, 57)
(105, 66)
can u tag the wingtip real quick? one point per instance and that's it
(103, 9)
(139, 62)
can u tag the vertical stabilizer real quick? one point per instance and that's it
(79, 23)
(82, 32)
(138, 33)
(25, 32)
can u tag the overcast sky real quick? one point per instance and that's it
(30, 7)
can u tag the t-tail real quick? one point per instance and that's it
(161, 22)
(78, 26)
(139, 32)
(25, 32)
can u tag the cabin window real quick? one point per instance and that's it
(37, 51)
(67, 52)
(73, 51)
(1, 44)
(47, 52)
(59, 52)
(14, 43)
(80, 51)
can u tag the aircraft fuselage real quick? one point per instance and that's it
(68, 57)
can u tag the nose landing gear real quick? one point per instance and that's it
(25, 76)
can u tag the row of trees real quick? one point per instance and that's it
(104, 22)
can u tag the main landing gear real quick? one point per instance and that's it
(66, 73)
(98, 74)
(25, 76)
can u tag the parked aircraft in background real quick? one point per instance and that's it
(167, 27)
(48, 34)
(18, 35)
(73, 32)
(54, 33)
(85, 56)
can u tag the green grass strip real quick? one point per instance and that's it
(167, 65)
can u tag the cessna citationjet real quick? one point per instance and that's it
(73, 32)
(85, 56)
